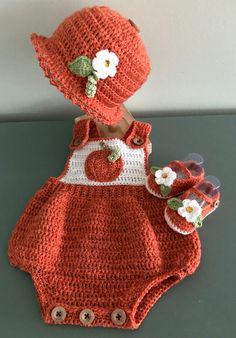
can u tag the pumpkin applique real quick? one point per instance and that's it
(104, 165)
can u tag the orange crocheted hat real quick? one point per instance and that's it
(97, 59)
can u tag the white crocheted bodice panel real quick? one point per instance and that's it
(133, 172)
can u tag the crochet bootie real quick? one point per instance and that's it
(175, 178)
(186, 213)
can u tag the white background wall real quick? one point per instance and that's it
(191, 43)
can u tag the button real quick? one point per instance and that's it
(58, 314)
(216, 203)
(77, 141)
(118, 316)
(86, 316)
(134, 25)
(138, 140)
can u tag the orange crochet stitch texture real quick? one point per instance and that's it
(86, 32)
(101, 253)
(180, 185)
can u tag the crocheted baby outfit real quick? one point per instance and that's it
(97, 59)
(95, 240)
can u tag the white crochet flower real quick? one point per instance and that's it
(190, 210)
(165, 176)
(105, 63)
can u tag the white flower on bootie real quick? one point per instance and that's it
(190, 210)
(105, 63)
(165, 176)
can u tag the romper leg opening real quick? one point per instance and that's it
(150, 296)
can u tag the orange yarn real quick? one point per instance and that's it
(106, 248)
(98, 168)
(180, 184)
(209, 204)
(86, 32)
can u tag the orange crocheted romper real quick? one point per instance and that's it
(95, 240)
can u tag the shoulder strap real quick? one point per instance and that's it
(137, 135)
(82, 131)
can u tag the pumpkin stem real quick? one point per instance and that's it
(115, 152)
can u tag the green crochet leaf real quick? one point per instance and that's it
(165, 190)
(154, 169)
(174, 203)
(114, 156)
(198, 222)
(81, 66)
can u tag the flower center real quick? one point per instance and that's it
(107, 63)
(189, 209)
(164, 175)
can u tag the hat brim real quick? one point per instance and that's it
(72, 86)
